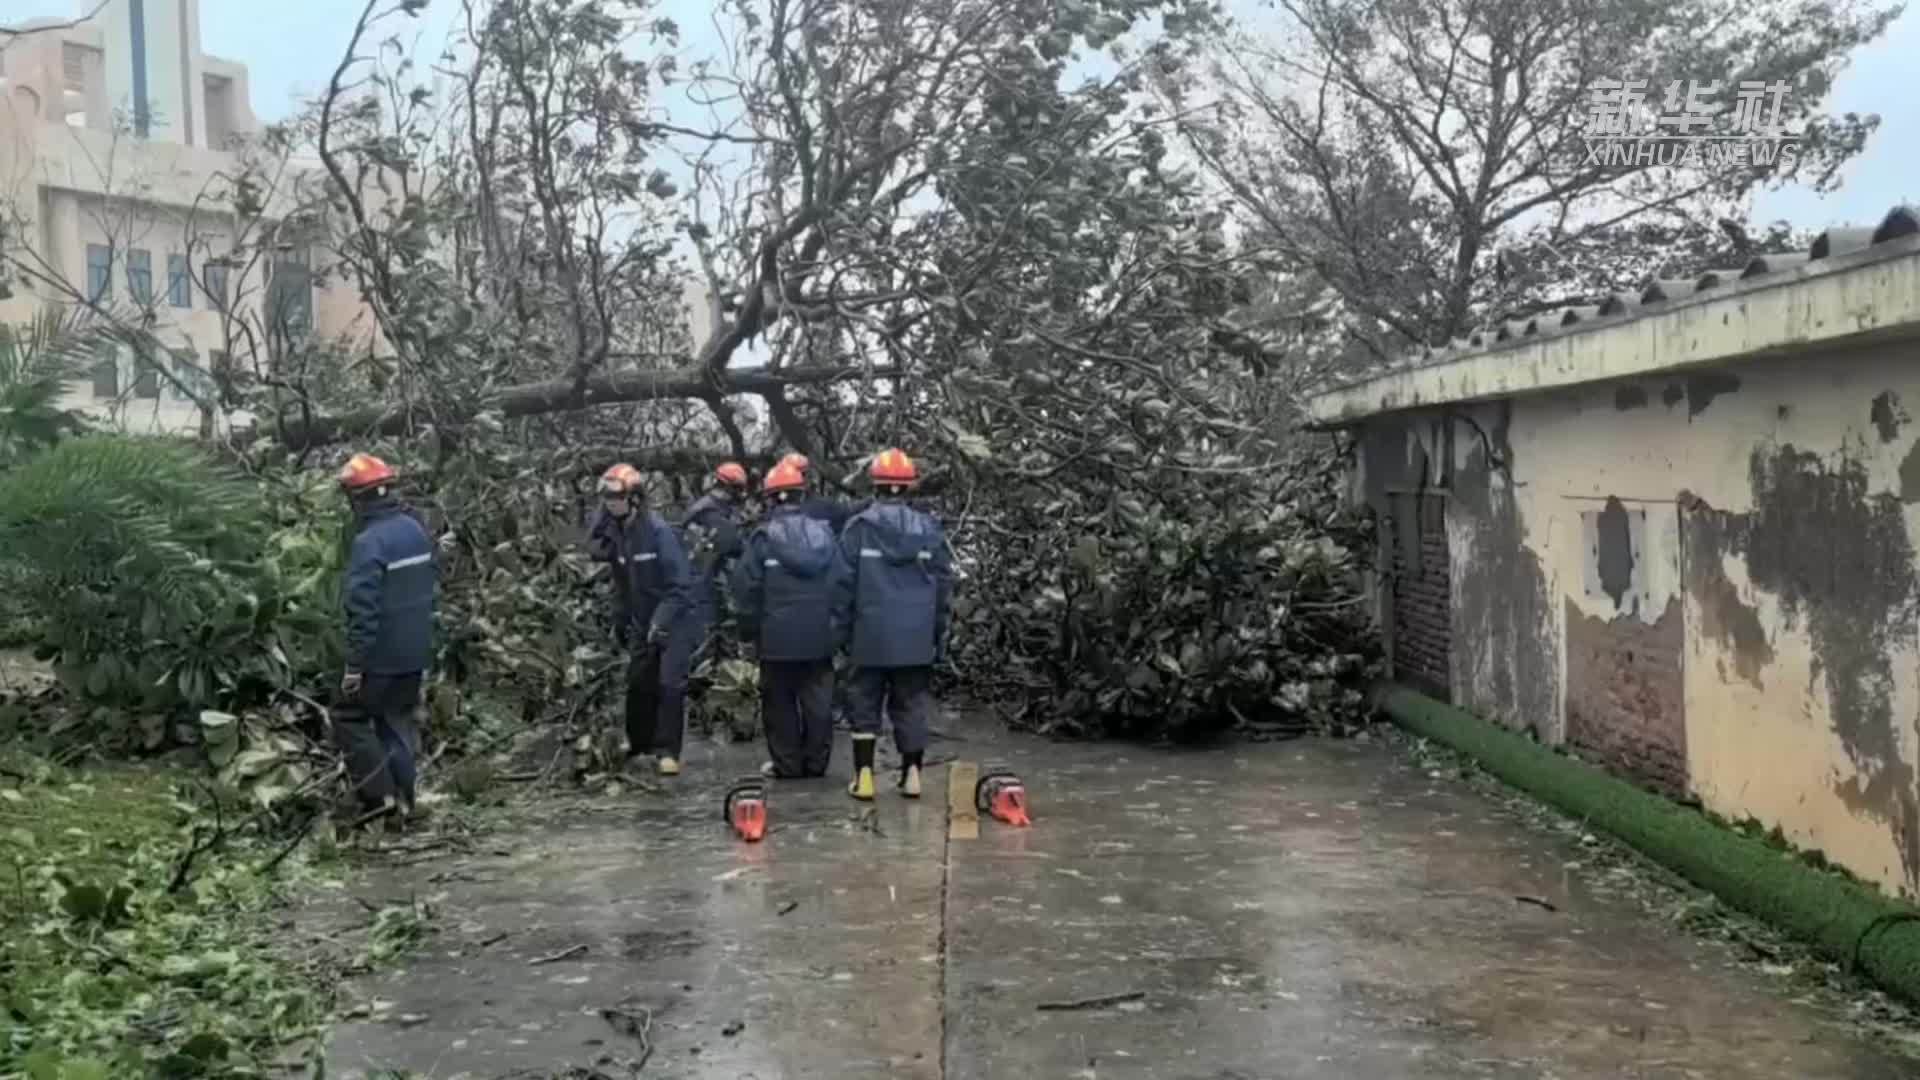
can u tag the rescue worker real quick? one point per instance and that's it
(784, 590)
(712, 535)
(893, 600)
(652, 600)
(817, 504)
(388, 595)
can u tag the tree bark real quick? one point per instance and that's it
(564, 394)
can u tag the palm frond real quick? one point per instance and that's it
(153, 517)
(40, 359)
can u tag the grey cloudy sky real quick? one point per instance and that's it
(293, 52)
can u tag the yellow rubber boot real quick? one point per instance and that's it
(862, 786)
(910, 782)
(669, 766)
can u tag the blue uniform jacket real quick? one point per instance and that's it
(835, 512)
(897, 583)
(652, 586)
(387, 592)
(785, 587)
(713, 541)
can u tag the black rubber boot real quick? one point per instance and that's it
(910, 765)
(862, 786)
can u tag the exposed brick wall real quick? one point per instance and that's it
(1421, 599)
(1626, 703)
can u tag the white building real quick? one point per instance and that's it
(116, 136)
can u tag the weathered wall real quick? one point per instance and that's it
(1706, 582)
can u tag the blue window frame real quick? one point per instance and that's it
(99, 272)
(140, 275)
(179, 283)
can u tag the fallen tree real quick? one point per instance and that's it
(558, 395)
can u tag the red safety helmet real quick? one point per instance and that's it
(363, 471)
(621, 479)
(731, 473)
(783, 477)
(892, 466)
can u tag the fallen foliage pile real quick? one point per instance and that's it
(128, 946)
(1168, 602)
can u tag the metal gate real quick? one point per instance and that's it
(1420, 600)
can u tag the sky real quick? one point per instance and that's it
(293, 53)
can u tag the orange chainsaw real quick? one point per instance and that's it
(1001, 794)
(745, 808)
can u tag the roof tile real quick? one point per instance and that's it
(1900, 222)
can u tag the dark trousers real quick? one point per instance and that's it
(905, 694)
(657, 690)
(376, 732)
(796, 703)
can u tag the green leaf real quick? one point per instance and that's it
(99, 678)
(42, 1065)
(206, 1046)
(85, 902)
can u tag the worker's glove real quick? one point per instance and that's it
(350, 684)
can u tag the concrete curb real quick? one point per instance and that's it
(1847, 921)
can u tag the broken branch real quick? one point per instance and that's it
(1101, 1002)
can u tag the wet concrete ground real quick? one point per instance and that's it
(1313, 909)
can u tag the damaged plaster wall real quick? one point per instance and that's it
(1706, 583)
(1504, 660)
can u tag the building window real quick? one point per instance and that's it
(192, 376)
(146, 377)
(179, 284)
(218, 106)
(106, 377)
(217, 286)
(137, 25)
(140, 275)
(73, 64)
(99, 273)
(290, 294)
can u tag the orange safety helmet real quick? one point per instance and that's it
(783, 477)
(892, 466)
(621, 479)
(731, 473)
(363, 471)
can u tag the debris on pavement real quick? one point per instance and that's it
(1084, 1004)
(563, 954)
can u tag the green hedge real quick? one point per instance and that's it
(1847, 921)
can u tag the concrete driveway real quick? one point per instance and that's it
(1312, 909)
